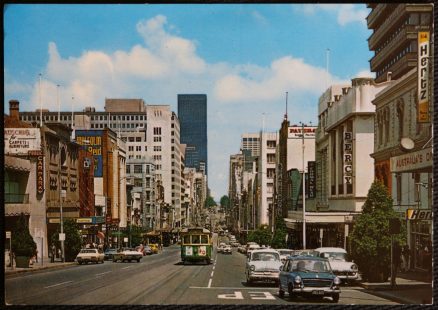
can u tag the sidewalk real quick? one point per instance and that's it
(37, 266)
(413, 287)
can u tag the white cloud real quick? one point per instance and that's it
(346, 13)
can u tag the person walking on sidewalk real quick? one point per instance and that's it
(406, 253)
(395, 261)
(52, 253)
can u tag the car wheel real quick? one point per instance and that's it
(335, 298)
(248, 280)
(138, 260)
(280, 291)
(80, 263)
(292, 296)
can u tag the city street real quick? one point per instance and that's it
(157, 279)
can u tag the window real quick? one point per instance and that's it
(271, 158)
(128, 169)
(157, 131)
(148, 169)
(138, 148)
(138, 169)
(138, 156)
(131, 148)
(270, 188)
(157, 139)
(271, 144)
(270, 172)
(137, 139)
(157, 148)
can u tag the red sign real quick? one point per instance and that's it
(40, 175)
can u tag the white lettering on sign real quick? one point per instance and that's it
(261, 295)
(235, 295)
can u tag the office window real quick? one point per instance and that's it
(128, 169)
(138, 148)
(157, 130)
(138, 139)
(138, 169)
(131, 148)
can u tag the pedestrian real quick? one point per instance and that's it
(52, 253)
(395, 261)
(406, 253)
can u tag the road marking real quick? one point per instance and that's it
(212, 274)
(261, 295)
(235, 288)
(235, 295)
(99, 274)
(209, 283)
(127, 267)
(58, 284)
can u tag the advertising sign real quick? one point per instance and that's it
(348, 157)
(91, 140)
(296, 132)
(311, 190)
(19, 141)
(412, 161)
(40, 174)
(418, 214)
(423, 77)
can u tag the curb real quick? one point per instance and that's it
(9, 273)
(386, 293)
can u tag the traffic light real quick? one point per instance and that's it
(394, 226)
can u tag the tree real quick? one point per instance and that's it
(209, 202)
(262, 235)
(72, 243)
(280, 232)
(225, 202)
(370, 238)
(22, 241)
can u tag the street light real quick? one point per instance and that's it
(61, 235)
(304, 190)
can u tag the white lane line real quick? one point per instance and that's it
(211, 275)
(235, 288)
(58, 284)
(209, 283)
(99, 274)
(214, 267)
(127, 267)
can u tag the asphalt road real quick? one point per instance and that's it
(157, 279)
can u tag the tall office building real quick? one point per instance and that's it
(192, 114)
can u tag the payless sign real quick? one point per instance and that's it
(423, 77)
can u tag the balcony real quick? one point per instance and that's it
(407, 33)
(381, 32)
(375, 14)
(17, 198)
(402, 66)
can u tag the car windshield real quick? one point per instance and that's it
(286, 252)
(335, 256)
(310, 266)
(265, 257)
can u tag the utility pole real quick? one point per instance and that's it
(304, 191)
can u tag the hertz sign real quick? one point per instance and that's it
(416, 214)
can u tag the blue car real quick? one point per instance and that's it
(308, 276)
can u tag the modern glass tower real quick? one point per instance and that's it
(192, 114)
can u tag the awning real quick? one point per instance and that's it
(101, 235)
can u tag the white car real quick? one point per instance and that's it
(251, 247)
(226, 249)
(338, 259)
(284, 253)
(263, 265)
(220, 248)
(90, 255)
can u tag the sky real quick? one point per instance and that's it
(244, 57)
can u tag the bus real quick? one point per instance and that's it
(196, 245)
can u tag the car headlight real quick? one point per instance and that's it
(297, 279)
(354, 267)
(337, 281)
(252, 267)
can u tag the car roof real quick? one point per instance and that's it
(265, 251)
(283, 249)
(328, 249)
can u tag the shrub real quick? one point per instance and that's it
(22, 241)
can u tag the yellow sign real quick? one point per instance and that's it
(423, 77)
(418, 214)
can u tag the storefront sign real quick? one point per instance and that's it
(83, 220)
(91, 140)
(416, 214)
(98, 219)
(311, 168)
(422, 159)
(423, 77)
(297, 132)
(99, 201)
(40, 174)
(19, 141)
(348, 157)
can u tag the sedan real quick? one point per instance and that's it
(263, 265)
(109, 254)
(127, 254)
(90, 256)
(308, 276)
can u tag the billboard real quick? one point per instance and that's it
(423, 77)
(91, 140)
(19, 141)
(311, 181)
(296, 132)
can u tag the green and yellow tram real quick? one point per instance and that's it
(196, 245)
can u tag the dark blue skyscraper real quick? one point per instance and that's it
(192, 113)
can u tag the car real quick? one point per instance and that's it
(147, 250)
(251, 247)
(284, 253)
(220, 248)
(86, 256)
(308, 276)
(127, 254)
(263, 265)
(339, 262)
(108, 254)
(242, 249)
(154, 248)
(304, 252)
(226, 249)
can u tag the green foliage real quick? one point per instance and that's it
(209, 202)
(262, 235)
(72, 243)
(225, 202)
(280, 232)
(370, 238)
(22, 241)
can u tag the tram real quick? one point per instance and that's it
(196, 245)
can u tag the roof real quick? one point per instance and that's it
(327, 249)
(265, 251)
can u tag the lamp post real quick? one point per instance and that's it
(61, 235)
(304, 190)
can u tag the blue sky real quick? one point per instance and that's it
(245, 57)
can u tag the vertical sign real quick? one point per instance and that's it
(348, 157)
(423, 77)
(91, 140)
(40, 174)
(311, 190)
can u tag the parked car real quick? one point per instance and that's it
(108, 254)
(226, 249)
(127, 254)
(339, 262)
(284, 253)
(263, 265)
(308, 276)
(90, 256)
